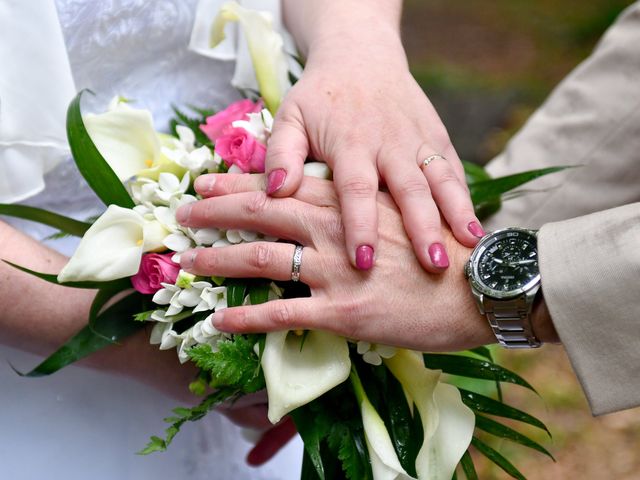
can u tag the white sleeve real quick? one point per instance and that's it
(36, 87)
(234, 46)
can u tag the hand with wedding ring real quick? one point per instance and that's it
(396, 303)
(360, 110)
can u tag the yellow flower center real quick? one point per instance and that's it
(148, 162)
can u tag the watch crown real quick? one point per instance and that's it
(467, 270)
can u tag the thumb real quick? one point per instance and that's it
(287, 150)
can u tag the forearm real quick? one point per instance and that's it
(39, 317)
(36, 315)
(318, 25)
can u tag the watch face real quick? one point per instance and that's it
(506, 262)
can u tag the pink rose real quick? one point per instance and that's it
(154, 270)
(216, 124)
(239, 147)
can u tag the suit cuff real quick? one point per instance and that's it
(590, 270)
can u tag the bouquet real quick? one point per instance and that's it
(362, 410)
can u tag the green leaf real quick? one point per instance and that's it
(393, 407)
(53, 278)
(93, 167)
(308, 469)
(311, 436)
(483, 404)
(114, 323)
(483, 352)
(349, 445)
(490, 190)
(497, 458)
(65, 224)
(474, 173)
(236, 291)
(192, 123)
(259, 292)
(468, 467)
(143, 316)
(105, 294)
(235, 364)
(473, 368)
(157, 444)
(500, 430)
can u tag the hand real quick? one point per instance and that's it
(397, 303)
(250, 412)
(358, 108)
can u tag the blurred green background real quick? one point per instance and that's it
(486, 66)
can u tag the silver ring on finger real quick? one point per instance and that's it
(296, 263)
(431, 158)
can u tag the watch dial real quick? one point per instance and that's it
(510, 262)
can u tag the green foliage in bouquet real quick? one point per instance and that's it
(331, 426)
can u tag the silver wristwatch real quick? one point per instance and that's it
(504, 277)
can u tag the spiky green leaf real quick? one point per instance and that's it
(92, 165)
(503, 431)
(473, 368)
(483, 404)
(497, 458)
(64, 224)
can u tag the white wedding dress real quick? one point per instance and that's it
(83, 424)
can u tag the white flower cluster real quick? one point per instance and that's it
(183, 151)
(198, 296)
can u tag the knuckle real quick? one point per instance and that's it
(445, 178)
(259, 256)
(413, 188)
(239, 318)
(281, 315)
(333, 227)
(358, 187)
(206, 261)
(352, 313)
(256, 204)
(440, 136)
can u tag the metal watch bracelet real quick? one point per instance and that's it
(511, 323)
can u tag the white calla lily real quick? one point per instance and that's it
(453, 435)
(112, 247)
(385, 464)
(125, 137)
(266, 48)
(446, 421)
(295, 376)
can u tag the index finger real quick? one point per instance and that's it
(315, 191)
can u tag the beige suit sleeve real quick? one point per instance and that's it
(590, 269)
(592, 119)
(590, 265)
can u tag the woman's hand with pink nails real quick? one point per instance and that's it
(359, 110)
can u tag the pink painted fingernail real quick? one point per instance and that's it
(364, 257)
(183, 213)
(204, 183)
(475, 229)
(438, 255)
(276, 180)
